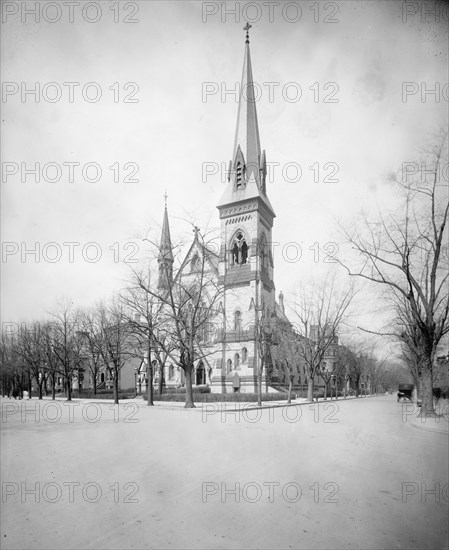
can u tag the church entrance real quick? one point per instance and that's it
(200, 377)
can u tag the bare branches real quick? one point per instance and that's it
(320, 311)
(404, 252)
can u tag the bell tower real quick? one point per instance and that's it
(245, 260)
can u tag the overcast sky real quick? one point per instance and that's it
(355, 54)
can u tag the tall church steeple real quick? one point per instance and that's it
(245, 265)
(247, 169)
(165, 259)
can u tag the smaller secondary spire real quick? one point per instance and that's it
(246, 28)
(165, 259)
(165, 249)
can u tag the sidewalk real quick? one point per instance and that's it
(199, 405)
(235, 405)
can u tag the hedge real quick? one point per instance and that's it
(103, 394)
(223, 397)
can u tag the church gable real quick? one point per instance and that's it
(197, 259)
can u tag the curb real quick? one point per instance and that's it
(275, 404)
(418, 424)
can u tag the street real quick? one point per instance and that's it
(345, 474)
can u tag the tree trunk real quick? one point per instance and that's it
(95, 383)
(290, 386)
(40, 384)
(419, 388)
(310, 388)
(427, 408)
(336, 388)
(29, 384)
(161, 379)
(116, 387)
(69, 389)
(150, 401)
(325, 390)
(53, 388)
(259, 384)
(189, 391)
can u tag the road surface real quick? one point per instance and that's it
(347, 474)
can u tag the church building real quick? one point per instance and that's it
(244, 267)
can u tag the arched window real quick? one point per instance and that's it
(200, 374)
(237, 360)
(244, 355)
(237, 319)
(239, 250)
(229, 366)
(102, 377)
(244, 252)
(171, 372)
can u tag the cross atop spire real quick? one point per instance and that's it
(246, 28)
(165, 198)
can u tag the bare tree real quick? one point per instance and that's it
(404, 252)
(320, 312)
(266, 338)
(92, 339)
(288, 342)
(52, 365)
(346, 366)
(12, 370)
(326, 372)
(30, 347)
(66, 344)
(143, 310)
(113, 339)
(188, 302)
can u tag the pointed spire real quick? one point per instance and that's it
(165, 258)
(247, 131)
(248, 167)
(165, 249)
